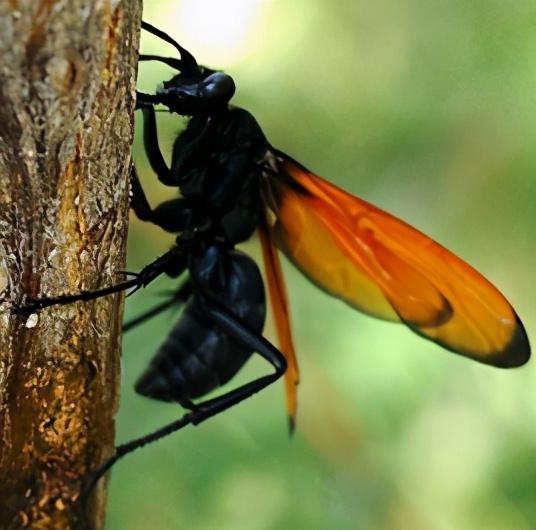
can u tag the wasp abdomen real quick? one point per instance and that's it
(197, 357)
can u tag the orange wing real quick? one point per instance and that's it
(382, 266)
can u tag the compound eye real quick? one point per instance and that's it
(219, 86)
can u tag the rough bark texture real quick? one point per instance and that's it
(67, 77)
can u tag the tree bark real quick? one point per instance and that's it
(67, 81)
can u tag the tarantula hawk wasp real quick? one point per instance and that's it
(233, 182)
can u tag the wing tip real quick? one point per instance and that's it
(517, 352)
(291, 425)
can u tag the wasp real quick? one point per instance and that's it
(232, 183)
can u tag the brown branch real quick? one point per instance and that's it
(67, 76)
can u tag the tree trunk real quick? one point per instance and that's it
(67, 77)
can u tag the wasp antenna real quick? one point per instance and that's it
(170, 61)
(189, 63)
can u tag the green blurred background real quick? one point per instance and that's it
(427, 109)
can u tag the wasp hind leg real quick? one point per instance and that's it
(239, 331)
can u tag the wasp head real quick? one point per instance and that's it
(195, 90)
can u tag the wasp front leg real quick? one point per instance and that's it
(175, 216)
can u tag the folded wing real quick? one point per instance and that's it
(279, 302)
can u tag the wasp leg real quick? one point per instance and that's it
(235, 328)
(191, 139)
(139, 202)
(175, 215)
(152, 147)
(146, 100)
(179, 298)
(149, 273)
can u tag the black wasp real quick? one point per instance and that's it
(232, 182)
(217, 164)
